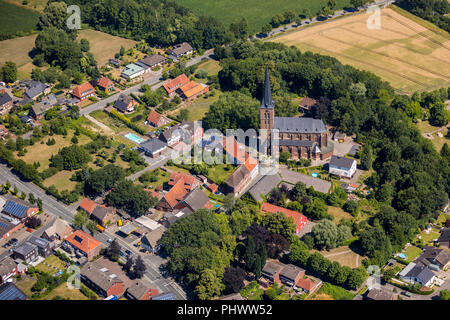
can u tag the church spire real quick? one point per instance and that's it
(267, 102)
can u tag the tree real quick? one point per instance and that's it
(438, 115)
(209, 285)
(366, 158)
(356, 278)
(113, 250)
(85, 45)
(357, 3)
(183, 115)
(388, 274)
(298, 192)
(299, 253)
(228, 202)
(129, 264)
(327, 235)
(266, 28)
(316, 209)
(71, 158)
(278, 223)
(54, 15)
(351, 206)
(234, 279)
(9, 72)
(34, 222)
(444, 294)
(139, 268)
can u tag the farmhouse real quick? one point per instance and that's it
(342, 167)
(125, 103)
(101, 280)
(83, 92)
(150, 62)
(153, 147)
(132, 71)
(104, 84)
(181, 49)
(301, 137)
(298, 218)
(172, 85)
(6, 103)
(156, 119)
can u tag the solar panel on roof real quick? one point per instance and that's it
(4, 226)
(15, 209)
(9, 291)
(78, 239)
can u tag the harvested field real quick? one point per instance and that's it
(407, 54)
(344, 255)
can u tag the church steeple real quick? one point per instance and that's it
(267, 102)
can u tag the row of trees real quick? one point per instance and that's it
(434, 11)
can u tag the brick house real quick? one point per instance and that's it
(19, 209)
(43, 246)
(6, 103)
(101, 280)
(58, 231)
(190, 182)
(83, 244)
(84, 91)
(156, 119)
(191, 90)
(271, 273)
(7, 228)
(291, 274)
(141, 290)
(8, 269)
(104, 84)
(103, 215)
(27, 252)
(173, 197)
(125, 103)
(299, 219)
(172, 85)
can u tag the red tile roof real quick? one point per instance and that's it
(82, 89)
(88, 205)
(213, 187)
(306, 284)
(104, 82)
(173, 84)
(299, 219)
(176, 194)
(83, 241)
(189, 181)
(154, 117)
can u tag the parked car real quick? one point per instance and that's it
(407, 293)
(128, 252)
(109, 240)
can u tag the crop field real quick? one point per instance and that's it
(14, 18)
(257, 12)
(412, 56)
(35, 5)
(344, 255)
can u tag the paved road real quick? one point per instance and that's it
(151, 81)
(152, 164)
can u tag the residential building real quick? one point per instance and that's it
(101, 280)
(299, 219)
(88, 206)
(58, 231)
(83, 92)
(291, 274)
(141, 290)
(103, 215)
(35, 90)
(434, 258)
(27, 119)
(82, 244)
(125, 103)
(307, 285)
(181, 49)
(4, 134)
(190, 182)
(153, 147)
(173, 197)
(172, 85)
(104, 83)
(381, 294)
(156, 119)
(150, 241)
(150, 62)
(271, 272)
(9, 291)
(444, 238)
(8, 269)
(414, 273)
(306, 103)
(6, 103)
(301, 137)
(8, 226)
(43, 246)
(191, 90)
(38, 109)
(194, 200)
(19, 209)
(27, 252)
(132, 71)
(242, 176)
(342, 167)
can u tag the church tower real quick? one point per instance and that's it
(267, 109)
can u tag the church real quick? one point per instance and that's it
(305, 138)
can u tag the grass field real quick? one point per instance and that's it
(63, 291)
(339, 214)
(199, 107)
(335, 293)
(409, 55)
(344, 255)
(35, 5)
(426, 129)
(257, 12)
(53, 261)
(102, 45)
(25, 285)
(412, 252)
(14, 18)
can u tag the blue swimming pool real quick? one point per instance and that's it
(134, 138)
(315, 174)
(402, 256)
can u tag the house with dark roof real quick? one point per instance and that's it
(82, 245)
(8, 269)
(6, 103)
(381, 294)
(291, 274)
(271, 273)
(181, 49)
(27, 252)
(38, 109)
(300, 137)
(434, 258)
(153, 147)
(19, 209)
(141, 290)
(264, 186)
(156, 119)
(342, 167)
(414, 273)
(150, 62)
(125, 103)
(101, 280)
(103, 215)
(150, 241)
(36, 89)
(444, 238)
(194, 200)
(9, 291)
(43, 246)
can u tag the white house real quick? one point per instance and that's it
(342, 167)
(413, 273)
(132, 71)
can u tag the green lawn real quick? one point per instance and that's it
(430, 236)
(337, 293)
(412, 252)
(14, 18)
(220, 173)
(256, 12)
(199, 107)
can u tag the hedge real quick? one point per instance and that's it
(127, 122)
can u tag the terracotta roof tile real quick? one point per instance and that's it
(176, 194)
(173, 84)
(83, 241)
(88, 205)
(81, 89)
(299, 219)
